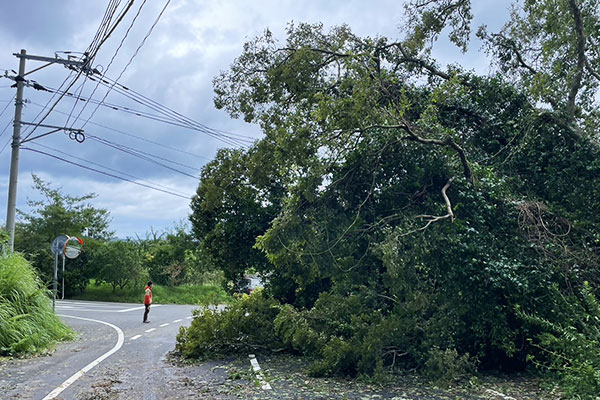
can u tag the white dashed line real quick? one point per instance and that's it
(177, 320)
(188, 317)
(150, 330)
(263, 384)
(163, 325)
(135, 337)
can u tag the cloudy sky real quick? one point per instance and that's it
(192, 41)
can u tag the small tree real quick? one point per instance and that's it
(118, 263)
(56, 214)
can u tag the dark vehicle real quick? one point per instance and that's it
(247, 284)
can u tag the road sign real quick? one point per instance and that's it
(58, 244)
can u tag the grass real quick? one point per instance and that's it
(185, 294)
(27, 323)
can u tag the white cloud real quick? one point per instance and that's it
(193, 42)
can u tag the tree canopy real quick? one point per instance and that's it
(411, 213)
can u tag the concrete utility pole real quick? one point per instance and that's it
(11, 207)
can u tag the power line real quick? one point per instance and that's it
(110, 169)
(138, 155)
(142, 152)
(228, 138)
(79, 73)
(136, 137)
(168, 120)
(104, 24)
(115, 107)
(9, 139)
(112, 29)
(135, 17)
(7, 104)
(105, 173)
(6, 127)
(132, 57)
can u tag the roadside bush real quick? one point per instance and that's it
(27, 322)
(571, 347)
(246, 325)
(444, 367)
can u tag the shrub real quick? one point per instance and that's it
(246, 325)
(570, 347)
(27, 322)
(444, 367)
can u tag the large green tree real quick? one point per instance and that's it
(426, 214)
(231, 208)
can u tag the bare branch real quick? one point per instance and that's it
(432, 218)
(419, 62)
(448, 142)
(510, 44)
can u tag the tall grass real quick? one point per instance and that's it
(185, 294)
(27, 322)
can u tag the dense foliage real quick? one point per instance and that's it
(27, 322)
(412, 216)
(248, 324)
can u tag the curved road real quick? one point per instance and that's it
(115, 352)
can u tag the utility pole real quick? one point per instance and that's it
(11, 207)
(20, 80)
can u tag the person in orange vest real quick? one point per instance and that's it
(147, 301)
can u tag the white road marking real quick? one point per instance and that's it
(150, 330)
(163, 325)
(188, 317)
(74, 309)
(177, 320)
(263, 384)
(78, 374)
(138, 308)
(501, 395)
(82, 306)
(136, 337)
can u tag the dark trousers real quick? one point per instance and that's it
(146, 312)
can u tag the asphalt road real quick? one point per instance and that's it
(114, 353)
(117, 357)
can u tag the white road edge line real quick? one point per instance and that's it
(163, 325)
(135, 337)
(150, 330)
(263, 384)
(78, 374)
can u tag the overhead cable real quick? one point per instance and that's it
(138, 155)
(135, 136)
(108, 168)
(132, 57)
(143, 153)
(105, 173)
(112, 59)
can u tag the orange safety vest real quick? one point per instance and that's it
(148, 296)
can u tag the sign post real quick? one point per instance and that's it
(66, 246)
